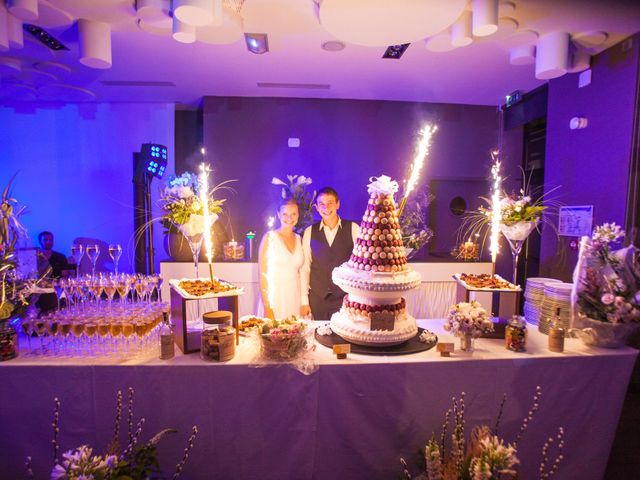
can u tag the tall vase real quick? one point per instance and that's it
(516, 235)
(195, 244)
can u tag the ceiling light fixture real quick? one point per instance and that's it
(45, 37)
(461, 30)
(4, 33)
(198, 13)
(485, 17)
(26, 10)
(257, 42)
(552, 55)
(395, 51)
(95, 43)
(16, 34)
(183, 32)
(333, 46)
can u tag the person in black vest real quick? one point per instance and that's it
(326, 244)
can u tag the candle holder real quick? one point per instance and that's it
(232, 251)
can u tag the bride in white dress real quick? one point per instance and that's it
(281, 258)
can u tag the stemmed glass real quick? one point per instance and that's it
(77, 251)
(93, 251)
(27, 329)
(195, 244)
(115, 251)
(58, 287)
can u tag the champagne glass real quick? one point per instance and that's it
(27, 329)
(65, 330)
(93, 252)
(77, 251)
(96, 289)
(115, 251)
(53, 327)
(40, 329)
(77, 328)
(103, 331)
(123, 287)
(58, 288)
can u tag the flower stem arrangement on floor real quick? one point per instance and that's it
(468, 319)
(182, 207)
(484, 455)
(413, 223)
(135, 461)
(296, 187)
(608, 280)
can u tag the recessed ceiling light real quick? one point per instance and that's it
(45, 37)
(256, 42)
(395, 51)
(333, 46)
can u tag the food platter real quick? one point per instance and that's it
(200, 289)
(485, 283)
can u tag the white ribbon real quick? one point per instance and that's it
(382, 184)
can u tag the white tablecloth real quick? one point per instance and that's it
(351, 419)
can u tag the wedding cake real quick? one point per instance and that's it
(376, 275)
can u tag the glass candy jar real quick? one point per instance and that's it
(8, 341)
(515, 335)
(217, 341)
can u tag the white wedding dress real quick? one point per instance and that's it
(285, 281)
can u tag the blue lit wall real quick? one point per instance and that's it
(75, 170)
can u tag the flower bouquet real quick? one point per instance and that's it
(184, 210)
(468, 320)
(296, 187)
(606, 295)
(15, 292)
(413, 223)
(283, 340)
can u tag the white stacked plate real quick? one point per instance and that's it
(556, 303)
(533, 295)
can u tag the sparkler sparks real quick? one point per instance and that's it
(423, 151)
(495, 205)
(203, 180)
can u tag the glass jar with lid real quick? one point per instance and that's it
(217, 341)
(515, 334)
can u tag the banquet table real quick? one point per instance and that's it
(349, 419)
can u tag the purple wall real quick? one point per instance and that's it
(75, 170)
(342, 144)
(591, 165)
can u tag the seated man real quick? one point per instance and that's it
(54, 265)
(47, 257)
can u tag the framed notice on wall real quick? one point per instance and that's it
(575, 221)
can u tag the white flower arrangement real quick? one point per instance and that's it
(468, 318)
(607, 233)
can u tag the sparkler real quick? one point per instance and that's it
(271, 271)
(495, 206)
(423, 151)
(203, 180)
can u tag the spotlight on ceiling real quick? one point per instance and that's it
(45, 37)
(256, 42)
(395, 51)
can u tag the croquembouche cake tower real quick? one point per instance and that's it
(376, 276)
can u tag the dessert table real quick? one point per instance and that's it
(431, 299)
(350, 419)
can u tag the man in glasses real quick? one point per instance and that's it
(326, 244)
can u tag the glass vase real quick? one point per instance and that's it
(195, 244)
(516, 235)
(467, 343)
